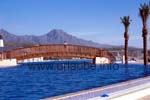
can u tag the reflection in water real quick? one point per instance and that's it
(147, 70)
(127, 71)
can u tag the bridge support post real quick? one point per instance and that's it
(101, 60)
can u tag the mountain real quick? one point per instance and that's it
(55, 36)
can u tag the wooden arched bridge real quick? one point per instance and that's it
(58, 51)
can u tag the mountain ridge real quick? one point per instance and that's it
(55, 36)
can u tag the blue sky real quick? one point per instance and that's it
(96, 20)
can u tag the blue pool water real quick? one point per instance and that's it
(42, 80)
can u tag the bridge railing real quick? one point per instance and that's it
(57, 50)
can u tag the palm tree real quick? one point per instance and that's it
(126, 22)
(144, 13)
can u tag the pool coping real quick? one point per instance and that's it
(94, 92)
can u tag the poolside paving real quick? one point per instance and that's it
(145, 98)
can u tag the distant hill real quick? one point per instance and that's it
(55, 36)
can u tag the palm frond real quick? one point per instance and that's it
(144, 11)
(125, 20)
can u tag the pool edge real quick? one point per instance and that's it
(99, 89)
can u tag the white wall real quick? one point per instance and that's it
(32, 60)
(1, 43)
(8, 62)
(102, 60)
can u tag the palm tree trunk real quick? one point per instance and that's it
(126, 51)
(145, 50)
(145, 44)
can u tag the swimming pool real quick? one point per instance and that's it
(32, 82)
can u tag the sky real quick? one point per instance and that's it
(96, 20)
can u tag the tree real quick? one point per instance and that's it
(126, 22)
(144, 13)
